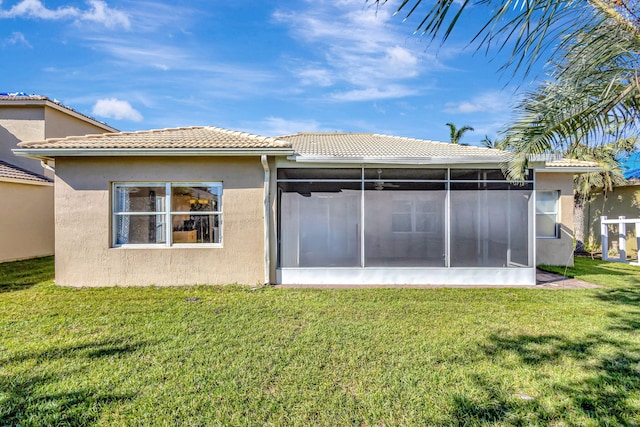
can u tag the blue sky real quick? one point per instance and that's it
(260, 66)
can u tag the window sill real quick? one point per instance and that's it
(177, 245)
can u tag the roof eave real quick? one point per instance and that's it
(26, 181)
(51, 153)
(570, 169)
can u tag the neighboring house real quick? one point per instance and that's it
(26, 186)
(212, 206)
(623, 200)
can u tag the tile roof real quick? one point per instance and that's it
(569, 163)
(9, 171)
(21, 96)
(371, 145)
(197, 137)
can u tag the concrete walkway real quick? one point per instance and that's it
(546, 280)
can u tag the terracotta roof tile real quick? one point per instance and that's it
(564, 163)
(201, 137)
(9, 171)
(360, 145)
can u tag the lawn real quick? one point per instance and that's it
(239, 356)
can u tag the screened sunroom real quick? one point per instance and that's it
(404, 225)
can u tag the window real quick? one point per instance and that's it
(547, 214)
(413, 214)
(167, 213)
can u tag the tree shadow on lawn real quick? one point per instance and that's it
(26, 403)
(600, 397)
(91, 350)
(605, 393)
(32, 398)
(20, 275)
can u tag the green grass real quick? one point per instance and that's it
(236, 356)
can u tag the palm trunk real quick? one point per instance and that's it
(578, 223)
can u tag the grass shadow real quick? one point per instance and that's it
(600, 397)
(496, 406)
(91, 350)
(33, 398)
(28, 400)
(20, 275)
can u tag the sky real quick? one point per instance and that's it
(266, 67)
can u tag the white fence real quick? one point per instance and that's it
(622, 237)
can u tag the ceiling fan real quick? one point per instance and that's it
(379, 184)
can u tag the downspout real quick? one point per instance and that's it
(267, 222)
(46, 166)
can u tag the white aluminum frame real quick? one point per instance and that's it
(556, 213)
(516, 274)
(167, 213)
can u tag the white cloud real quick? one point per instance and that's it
(374, 93)
(113, 108)
(98, 12)
(35, 9)
(357, 48)
(16, 38)
(489, 102)
(102, 14)
(316, 77)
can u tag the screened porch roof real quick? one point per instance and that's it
(375, 148)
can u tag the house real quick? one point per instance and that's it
(622, 200)
(26, 185)
(212, 206)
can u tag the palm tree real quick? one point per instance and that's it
(594, 86)
(593, 97)
(589, 184)
(531, 24)
(498, 144)
(456, 134)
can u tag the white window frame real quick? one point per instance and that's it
(555, 212)
(414, 214)
(167, 214)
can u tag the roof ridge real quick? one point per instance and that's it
(433, 141)
(104, 134)
(247, 134)
(325, 133)
(178, 137)
(409, 138)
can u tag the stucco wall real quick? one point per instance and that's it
(59, 124)
(622, 201)
(558, 251)
(84, 256)
(19, 124)
(26, 215)
(33, 123)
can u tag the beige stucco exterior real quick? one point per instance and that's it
(85, 255)
(558, 251)
(26, 215)
(622, 201)
(37, 120)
